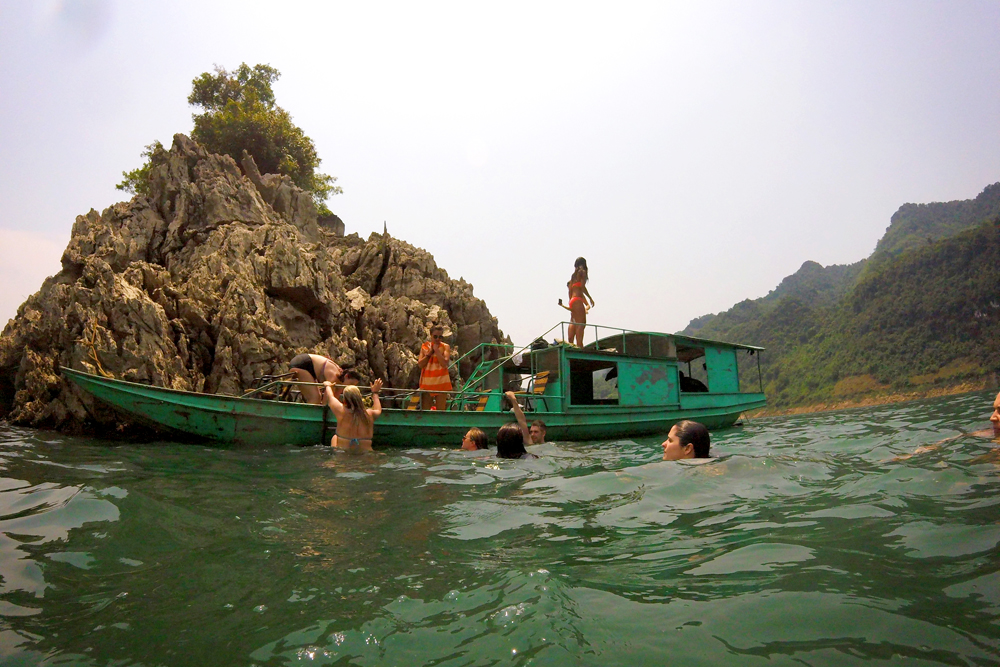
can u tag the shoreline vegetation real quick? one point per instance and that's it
(882, 398)
(919, 317)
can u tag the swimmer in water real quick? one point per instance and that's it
(537, 431)
(474, 440)
(687, 440)
(512, 437)
(355, 422)
(992, 433)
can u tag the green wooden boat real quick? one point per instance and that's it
(623, 384)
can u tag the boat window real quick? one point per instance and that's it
(750, 371)
(692, 368)
(547, 360)
(593, 382)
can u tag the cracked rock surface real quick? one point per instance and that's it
(217, 278)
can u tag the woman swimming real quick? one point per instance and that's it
(475, 439)
(355, 422)
(512, 437)
(577, 303)
(687, 440)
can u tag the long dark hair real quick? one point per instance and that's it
(694, 433)
(580, 263)
(510, 442)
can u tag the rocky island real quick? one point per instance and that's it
(217, 276)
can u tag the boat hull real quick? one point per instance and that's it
(256, 422)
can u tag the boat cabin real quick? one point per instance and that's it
(625, 369)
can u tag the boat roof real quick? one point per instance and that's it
(678, 338)
(626, 342)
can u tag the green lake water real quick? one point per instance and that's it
(804, 543)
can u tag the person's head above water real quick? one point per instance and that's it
(474, 440)
(510, 442)
(537, 431)
(995, 417)
(687, 440)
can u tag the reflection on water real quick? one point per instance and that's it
(804, 542)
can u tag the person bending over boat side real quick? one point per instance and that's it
(577, 303)
(355, 423)
(512, 437)
(474, 440)
(687, 440)
(316, 369)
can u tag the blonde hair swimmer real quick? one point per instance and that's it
(355, 422)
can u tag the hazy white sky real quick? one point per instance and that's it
(695, 153)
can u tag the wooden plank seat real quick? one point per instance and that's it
(536, 387)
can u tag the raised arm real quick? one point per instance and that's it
(376, 409)
(521, 421)
(332, 401)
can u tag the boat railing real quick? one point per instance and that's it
(462, 400)
(279, 388)
(503, 350)
(603, 333)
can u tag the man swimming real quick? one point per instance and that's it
(993, 433)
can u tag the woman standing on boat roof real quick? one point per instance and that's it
(355, 422)
(577, 303)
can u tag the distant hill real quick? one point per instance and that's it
(922, 310)
(915, 225)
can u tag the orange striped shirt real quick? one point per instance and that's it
(434, 376)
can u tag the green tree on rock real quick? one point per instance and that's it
(238, 112)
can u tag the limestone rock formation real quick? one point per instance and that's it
(217, 278)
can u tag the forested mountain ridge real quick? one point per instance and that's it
(924, 310)
(915, 225)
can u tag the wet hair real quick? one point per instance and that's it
(349, 374)
(539, 423)
(355, 405)
(694, 433)
(510, 442)
(478, 438)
